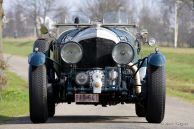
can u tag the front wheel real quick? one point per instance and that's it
(156, 94)
(38, 94)
(140, 109)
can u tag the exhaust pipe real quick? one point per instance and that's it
(136, 78)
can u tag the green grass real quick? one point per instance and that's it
(183, 95)
(180, 71)
(13, 98)
(21, 47)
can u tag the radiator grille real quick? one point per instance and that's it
(97, 52)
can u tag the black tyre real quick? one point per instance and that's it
(51, 109)
(43, 46)
(51, 103)
(156, 94)
(140, 110)
(38, 94)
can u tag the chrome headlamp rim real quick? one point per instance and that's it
(133, 56)
(71, 42)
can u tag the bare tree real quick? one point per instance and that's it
(160, 24)
(61, 14)
(9, 25)
(95, 9)
(150, 22)
(1, 17)
(3, 79)
(184, 18)
(37, 9)
(26, 15)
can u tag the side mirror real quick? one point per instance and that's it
(144, 35)
(43, 29)
(152, 41)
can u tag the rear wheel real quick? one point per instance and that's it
(140, 110)
(51, 109)
(51, 103)
(156, 94)
(38, 94)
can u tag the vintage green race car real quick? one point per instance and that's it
(97, 64)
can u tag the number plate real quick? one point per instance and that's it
(87, 98)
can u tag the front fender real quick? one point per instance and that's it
(156, 59)
(36, 58)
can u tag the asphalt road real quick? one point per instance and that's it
(179, 114)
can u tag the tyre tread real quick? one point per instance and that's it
(156, 95)
(38, 94)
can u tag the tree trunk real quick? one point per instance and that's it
(1, 31)
(1, 42)
(1, 24)
(37, 31)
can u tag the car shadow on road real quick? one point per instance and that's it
(80, 119)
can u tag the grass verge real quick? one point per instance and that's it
(13, 98)
(183, 95)
(20, 46)
(179, 70)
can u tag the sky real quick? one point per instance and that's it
(72, 3)
(75, 3)
(8, 3)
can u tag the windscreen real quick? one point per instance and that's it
(115, 18)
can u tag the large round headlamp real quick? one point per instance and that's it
(71, 52)
(123, 53)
